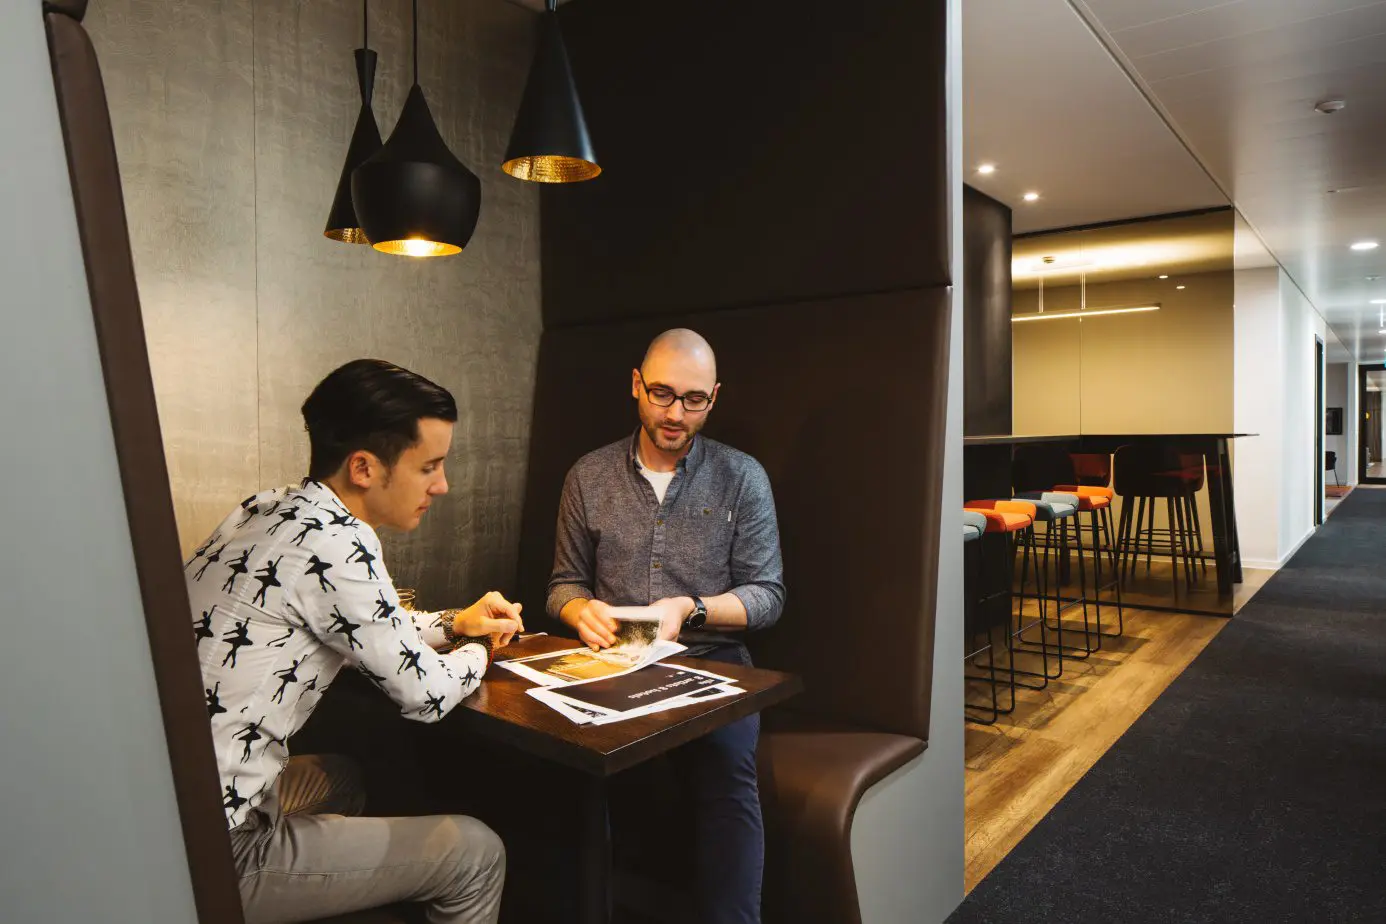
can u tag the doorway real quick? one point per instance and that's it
(1318, 432)
(1371, 451)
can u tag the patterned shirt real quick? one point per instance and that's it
(714, 532)
(289, 588)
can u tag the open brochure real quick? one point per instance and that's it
(578, 665)
(653, 688)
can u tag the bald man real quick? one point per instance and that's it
(670, 519)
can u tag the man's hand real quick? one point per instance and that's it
(672, 612)
(594, 625)
(492, 615)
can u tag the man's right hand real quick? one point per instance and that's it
(594, 626)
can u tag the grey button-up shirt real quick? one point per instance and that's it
(715, 532)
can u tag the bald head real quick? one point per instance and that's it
(684, 348)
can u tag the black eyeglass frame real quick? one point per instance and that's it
(681, 399)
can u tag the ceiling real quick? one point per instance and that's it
(1045, 103)
(1103, 106)
(1170, 247)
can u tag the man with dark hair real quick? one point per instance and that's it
(685, 525)
(321, 599)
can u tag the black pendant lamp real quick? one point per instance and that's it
(365, 141)
(550, 143)
(413, 196)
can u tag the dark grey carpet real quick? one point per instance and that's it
(1254, 789)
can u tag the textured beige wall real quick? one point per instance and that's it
(231, 122)
(1166, 371)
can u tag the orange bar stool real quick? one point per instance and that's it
(1094, 470)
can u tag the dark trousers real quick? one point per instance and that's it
(719, 774)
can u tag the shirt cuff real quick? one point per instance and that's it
(760, 609)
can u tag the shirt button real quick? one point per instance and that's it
(659, 522)
(656, 566)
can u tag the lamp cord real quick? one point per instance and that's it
(416, 42)
(365, 24)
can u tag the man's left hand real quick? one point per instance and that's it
(672, 611)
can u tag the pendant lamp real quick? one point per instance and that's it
(413, 196)
(549, 143)
(365, 141)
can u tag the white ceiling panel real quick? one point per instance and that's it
(1238, 81)
(1312, 44)
(1047, 104)
(1222, 22)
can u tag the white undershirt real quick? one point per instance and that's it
(658, 480)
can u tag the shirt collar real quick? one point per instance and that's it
(689, 463)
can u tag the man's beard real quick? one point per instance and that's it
(658, 438)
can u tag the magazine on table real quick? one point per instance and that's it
(654, 688)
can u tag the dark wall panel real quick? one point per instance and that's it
(826, 395)
(986, 314)
(753, 153)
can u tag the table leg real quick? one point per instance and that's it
(596, 853)
(1226, 548)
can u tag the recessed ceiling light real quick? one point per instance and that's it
(1179, 287)
(1330, 106)
(1166, 276)
(986, 169)
(1366, 245)
(1031, 196)
(1379, 301)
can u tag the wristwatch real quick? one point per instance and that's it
(697, 618)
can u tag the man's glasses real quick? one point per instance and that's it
(659, 396)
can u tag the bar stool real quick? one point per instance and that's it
(1039, 468)
(974, 526)
(1148, 474)
(1015, 520)
(1055, 511)
(1191, 470)
(1035, 510)
(1094, 470)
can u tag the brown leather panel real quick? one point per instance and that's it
(843, 402)
(812, 777)
(139, 448)
(74, 9)
(752, 153)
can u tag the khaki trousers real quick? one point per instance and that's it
(301, 856)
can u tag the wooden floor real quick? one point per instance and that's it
(1019, 768)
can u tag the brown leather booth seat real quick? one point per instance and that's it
(812, 776)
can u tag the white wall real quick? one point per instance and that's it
(88, 824)
(1297, 488)
(907, 838)
(1257, 462)
(1274, 373)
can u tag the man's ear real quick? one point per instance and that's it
(716, 390)
(635, 384)
(361, 469)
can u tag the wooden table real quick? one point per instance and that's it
(502, 711)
